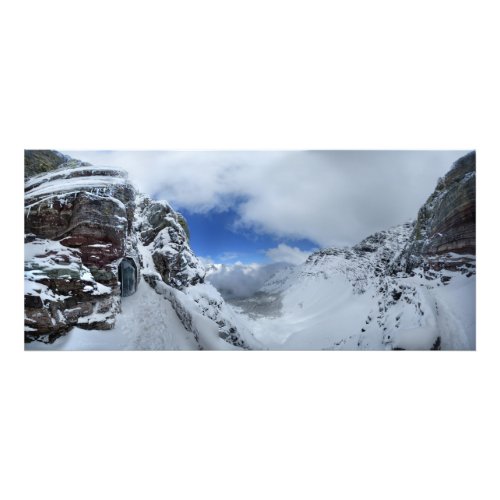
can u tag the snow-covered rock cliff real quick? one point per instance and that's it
(78, 226)
(446, 223)
(82, 222)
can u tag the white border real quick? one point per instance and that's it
(249, 75)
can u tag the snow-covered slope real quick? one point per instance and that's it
(409, 287)
(172, 269)
(348, 299)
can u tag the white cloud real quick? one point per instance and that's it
(328, 197)
(240, 280)
(288, 254)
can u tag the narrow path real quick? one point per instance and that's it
(453, 336)
(147, 322)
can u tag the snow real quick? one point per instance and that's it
(416, 339)
(74, 184)
(329, 314)
(337, 300)
(333, 301)
(147, 322)
(63, 172)
(43, 291)
(40, 248)
(203, 327)
(95, 318)
(41, 256)
(44, 256)
(168, 320)
(456, 312)
(101, 289)
(314, 314)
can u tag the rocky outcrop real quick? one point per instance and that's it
(162, 231)
(60, 292)
(446, 223)
(78, 222)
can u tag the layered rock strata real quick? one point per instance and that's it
(446, 223)
(78, 226)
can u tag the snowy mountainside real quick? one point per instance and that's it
(81, 223)
(370, 258)
(348, 299)
(409, 287)
(173, 270)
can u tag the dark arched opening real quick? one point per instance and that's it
(127, 273)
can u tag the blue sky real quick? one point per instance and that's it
(214, 236)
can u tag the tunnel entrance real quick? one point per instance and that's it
(127, 273)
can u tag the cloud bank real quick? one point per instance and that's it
(288, 254)
(333, 198)
(238, 281)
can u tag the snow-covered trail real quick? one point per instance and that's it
(456, 314)
(162, 318)
(147, 322)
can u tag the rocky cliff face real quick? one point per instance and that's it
(81, 222)
(162, 230)
(78, 226)
(446, 223)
